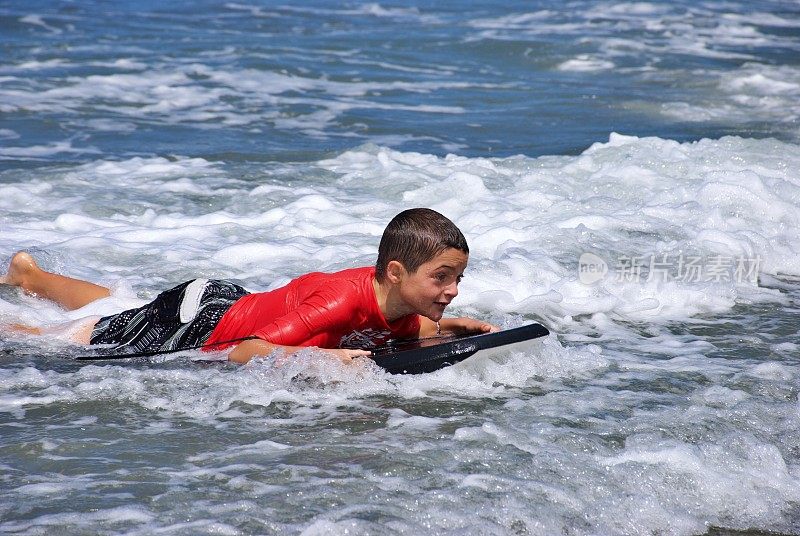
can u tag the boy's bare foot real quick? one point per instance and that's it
(20, 268)
(67, 292)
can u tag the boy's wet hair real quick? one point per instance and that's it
(416, 236)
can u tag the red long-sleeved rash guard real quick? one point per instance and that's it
(337, 310)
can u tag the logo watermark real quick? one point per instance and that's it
(684, 268)
(591, 268)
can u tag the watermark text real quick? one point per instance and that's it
(665, 267)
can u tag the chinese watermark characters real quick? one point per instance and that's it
(683, 268)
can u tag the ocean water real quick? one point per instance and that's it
(626, 174)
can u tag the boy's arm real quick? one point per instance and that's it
(459, 326)
(247, 350)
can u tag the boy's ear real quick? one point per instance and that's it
(395, 271)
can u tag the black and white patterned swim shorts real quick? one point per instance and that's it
(181, 317)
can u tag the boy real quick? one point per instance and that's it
(421, 259)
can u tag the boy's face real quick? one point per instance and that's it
(430, 289)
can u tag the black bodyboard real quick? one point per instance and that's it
(426, 355)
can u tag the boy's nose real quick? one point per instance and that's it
(452, 290)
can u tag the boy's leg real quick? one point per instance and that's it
(69, 293)
(21, 328)
(78, 331)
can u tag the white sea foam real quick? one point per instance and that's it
(173, 95)
(34, 65)
(38, 20)
(42, 151)
(515, 20)
(84, 520)
(764, 19)
(584, 62)
(651, 431)
(371, 9)
(253, 10)
(656, 196)
(664, 184)
(753, 91)
(664, 30)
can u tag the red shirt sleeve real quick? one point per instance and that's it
(328, 309)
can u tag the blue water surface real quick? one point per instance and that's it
(266, 81)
